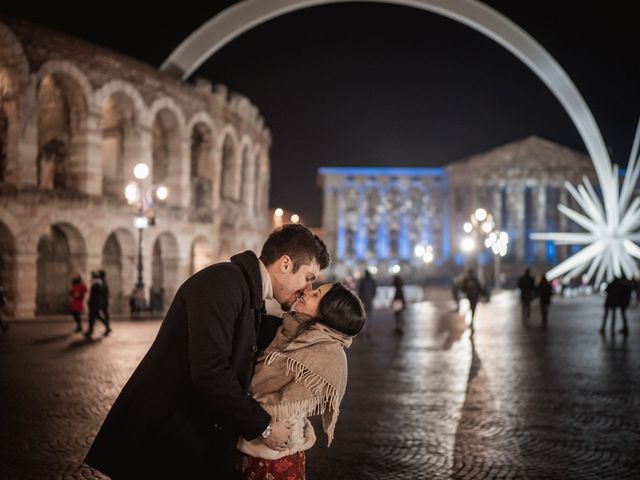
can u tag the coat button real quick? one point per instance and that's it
(254, 348)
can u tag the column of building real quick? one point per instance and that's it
(330, 217)
(361, 230)
(541, 217)
(382, 243)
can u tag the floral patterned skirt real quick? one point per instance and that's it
(285, 468)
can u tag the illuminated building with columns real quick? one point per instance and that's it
(376, 217)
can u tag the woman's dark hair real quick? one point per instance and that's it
(341, 310)
(297, 241)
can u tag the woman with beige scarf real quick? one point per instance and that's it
(303, 372)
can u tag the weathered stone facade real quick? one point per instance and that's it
(74, 120)
(377, 216)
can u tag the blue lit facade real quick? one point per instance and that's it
(375, 216)
(385, 213)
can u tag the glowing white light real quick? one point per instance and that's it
(278, 212)
(140, 222)
(295, 218)
(467, 227)
(503, 237)
(481, 214)
(419, 250)
(487, 227)
(162, 192)
(131, 192)
(612, 226)
(427, 257)
(141, 171)
(394, 269)
(372, 269)
(467, 244)
(488, 243)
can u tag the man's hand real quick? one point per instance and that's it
(280, 434)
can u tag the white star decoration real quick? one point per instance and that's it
(612, 229)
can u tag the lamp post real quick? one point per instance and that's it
(481, 224)
(498, 242)
(424, 252)
(141, 198)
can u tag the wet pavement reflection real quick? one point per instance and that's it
(513, 400)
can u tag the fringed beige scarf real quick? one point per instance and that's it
(303, 372)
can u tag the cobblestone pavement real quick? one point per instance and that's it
(511, 401)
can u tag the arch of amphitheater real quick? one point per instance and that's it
(74, 120)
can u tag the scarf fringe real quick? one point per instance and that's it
(325, 401)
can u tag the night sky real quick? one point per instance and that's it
(370, 84)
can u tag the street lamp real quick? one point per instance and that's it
(424, 252)
(480, 224)
(141, 198)
(498, 242)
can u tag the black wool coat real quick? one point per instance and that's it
(180, 413)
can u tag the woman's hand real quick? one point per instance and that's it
(279, 438)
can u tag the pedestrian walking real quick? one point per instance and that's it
(3, 302)
(77, 291)
(472, 288)
(544, 291)
(527, 286)
(104, 305)
(618, 296)
(367, 292)
(398, 304)
(95, 304)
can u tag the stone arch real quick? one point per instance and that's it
(14, 79)
(164, 270)
(120, 140)
(201, 152)
(125, 88)
(167, 162)
(14, 66)
(202, 117)
(62, 99)
(62, 254)
(165, 103)
(230, 166)
(243, 16)
(118, 262)
(201, 254)
(8, 265)
(63, 67)
(248, 190)
(262, 180)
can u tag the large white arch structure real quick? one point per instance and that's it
(237, 19)
(614, 224)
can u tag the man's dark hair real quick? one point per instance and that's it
(341, 310)
(299, 243)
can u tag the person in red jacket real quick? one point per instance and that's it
(78, 291)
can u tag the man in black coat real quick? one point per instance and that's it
(181, 412)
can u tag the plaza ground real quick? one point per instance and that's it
(513, 400)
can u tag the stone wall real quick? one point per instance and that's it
(74, 121)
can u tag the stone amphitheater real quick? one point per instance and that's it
(75, 119)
